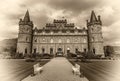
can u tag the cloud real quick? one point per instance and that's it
(76, 11)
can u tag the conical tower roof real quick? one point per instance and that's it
(93, 17)
(27, 17)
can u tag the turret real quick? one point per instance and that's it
(95, 39)
(24, 43)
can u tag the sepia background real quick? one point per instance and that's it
(77, 11)
(43, 11)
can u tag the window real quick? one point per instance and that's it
(76, 50)
(85, 50)
(60, 41)
(25, 50)
(92, 29)
(35, 40)
(43, 50)
(27, 39)
(68, 50)
(51, 50)
(84, 40)
(76, 40)
(43, 40)
(92, 38)
(68, 40)
(51, 32)
(94, 50)
(35, 50)
(51, 40)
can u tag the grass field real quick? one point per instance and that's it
(15, 70)
(101, 70)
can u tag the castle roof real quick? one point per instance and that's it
(27, 17)
(93, 17)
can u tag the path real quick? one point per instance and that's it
(58, 69)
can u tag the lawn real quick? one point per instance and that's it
(100, 70)
(16, 69)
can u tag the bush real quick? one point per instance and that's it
(46, 56)
(71, 55)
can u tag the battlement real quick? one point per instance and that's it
(60, 21)
(59, 24)
(22, 22)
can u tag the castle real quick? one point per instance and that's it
(60, 37)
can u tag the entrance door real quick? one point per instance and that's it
(59, 52)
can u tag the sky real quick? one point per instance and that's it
(75, 11)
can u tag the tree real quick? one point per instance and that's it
(108, 50)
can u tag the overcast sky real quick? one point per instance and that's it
(76, 11)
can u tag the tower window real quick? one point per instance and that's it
(76, 50)
(27, 39)
(92, 29)
(35, 40)
(92, 38)
(35, 50)
(94, 50)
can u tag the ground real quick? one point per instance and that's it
(15, 70)
(58, 69)
(104, 70)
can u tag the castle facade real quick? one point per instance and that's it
(60, 37)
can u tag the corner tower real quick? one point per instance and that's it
(95, 38)
(24, 43)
